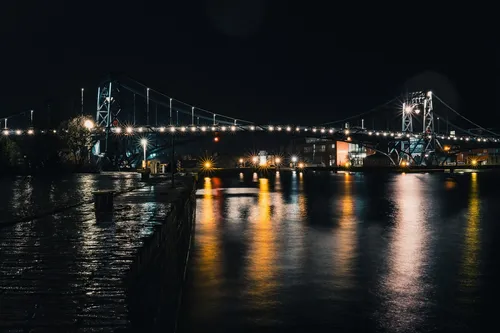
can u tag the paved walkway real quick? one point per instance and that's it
(64, 272)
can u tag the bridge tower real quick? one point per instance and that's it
(415, 147)
(108, 107)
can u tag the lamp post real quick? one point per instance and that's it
(81, 103)
(147, 106)
(144, 143)
(88, 124)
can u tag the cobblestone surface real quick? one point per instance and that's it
(66, 271)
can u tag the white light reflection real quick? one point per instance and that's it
(403, 288)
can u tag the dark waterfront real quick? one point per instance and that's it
(337, 252)
(24, 196)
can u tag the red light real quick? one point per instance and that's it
(216, 139)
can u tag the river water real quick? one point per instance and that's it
(335, 252)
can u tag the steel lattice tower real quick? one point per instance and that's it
(108, 107)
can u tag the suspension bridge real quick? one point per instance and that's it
(406, 129)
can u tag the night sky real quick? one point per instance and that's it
(266, 61)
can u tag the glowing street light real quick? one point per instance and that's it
(144, 143)
(88, 124)
(255, 159)
(301, 165)
(207, 165)
(277, 160)
(294, 159)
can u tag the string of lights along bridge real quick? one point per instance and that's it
(130, 130)
(127, 107)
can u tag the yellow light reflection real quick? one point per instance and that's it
(471, 246)
(262, 254)
(403, 287)
(346, 234)
(207, 237)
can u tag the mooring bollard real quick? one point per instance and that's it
(145, 174)
(103, 201)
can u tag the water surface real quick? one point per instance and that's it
(336, 252)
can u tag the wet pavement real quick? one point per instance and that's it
(65, 271)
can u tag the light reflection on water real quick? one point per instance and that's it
(403, 289)
(471, 259)
(318, 252)
(30, 195)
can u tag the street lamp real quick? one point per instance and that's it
(89, 124)
(144, 143)
(277, 160)
(82, 101)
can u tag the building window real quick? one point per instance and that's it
(333, 145)
(322, 148)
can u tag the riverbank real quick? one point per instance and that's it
(68, 271)
(228, 172)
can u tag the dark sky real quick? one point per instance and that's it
(266, 61)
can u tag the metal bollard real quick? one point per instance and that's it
(103, 201)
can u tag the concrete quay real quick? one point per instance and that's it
(69, 272)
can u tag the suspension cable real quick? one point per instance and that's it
(363, 113)
(186, 104)
(470, 121)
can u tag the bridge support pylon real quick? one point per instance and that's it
(108, 108)
(417, 148)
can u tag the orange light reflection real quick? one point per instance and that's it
(262, 254)
(346, 234)
(470, 261)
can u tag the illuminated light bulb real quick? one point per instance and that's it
(223, 128)
(298, 129)
(118, 130)
(271, 128)
(31, 132)
(129, 130)
(233, 128)
(162, 129)
(203, 129)
(322, 130)
(330, 131)
(5, 132)
(18, 132)
(183, 129)
(193, 129)
(140, 129)
(252, 128)
(288, 129)
(370, 133)
(213, 128)
(314, 130)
